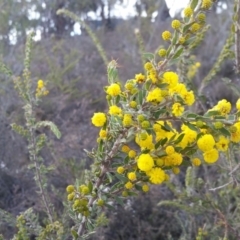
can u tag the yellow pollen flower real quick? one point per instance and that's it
(211, 156)
(128, 185)
(238, 104)
(120, 170)
(196, 162)
(166, 35)
(115, 110)
(177, 109)
(156, 175)
(171, 78)
(155, 95)
(114, 90)
(140, 78)
(132, 176)
(145, 162)
(188, 12)
(145, 188)
(99, 119)
(176, 24)
(206, 142)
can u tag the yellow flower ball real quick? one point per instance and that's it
(162, 52)
(188, 98)
(128, 185)
(206, 4)
(201, 17)
(145, 188)
(114, 110)
(132, 154)
(176, 170)
(223, 106)
(206, 142)
(171, 78)
(222, 144)
(127, 120)
(166, 35)
(129, 86)
(188, 12)
(71, 196)
(148, 66)
(176, 24)
(100, 202)
(125, 148)
(170, 150)
(211, 156)
(155, 95)
(99, 119)
(195, 27)
(103, 133)
(177, 109)
(70, 188)
(133, 104)
(174, 159)
(238, 104)
(120, 170)
(132, 176)
(145, 162)
(160, 162)
(140, 78)
(40, 83)
(196, 162)
(114, 90)
(156, 175)
(181, 40)
(167, 177)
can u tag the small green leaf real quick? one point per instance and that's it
(169, 51)
(161, 143)
(51, 125)
(179, 139)
(138, 187)
(121, 177)
(90, 186)
(109, 176)
(192, 115)
(191, 126)
(212, 113)
(178, 53)
(193, 4)
(140, 97)
(166, 127)
(148, 56)
(225, 132)
(159, 113)
(74, 234)
(126, 160)
(175, 38)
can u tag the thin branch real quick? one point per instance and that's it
(237, 36)
(104, 170)
(224, 185)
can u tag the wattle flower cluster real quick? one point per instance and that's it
(145, 111)
(148, 132)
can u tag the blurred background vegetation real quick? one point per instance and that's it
(65, 56)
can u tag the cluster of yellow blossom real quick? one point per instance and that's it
(160, 146)
(41, 89)
(157, 135)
